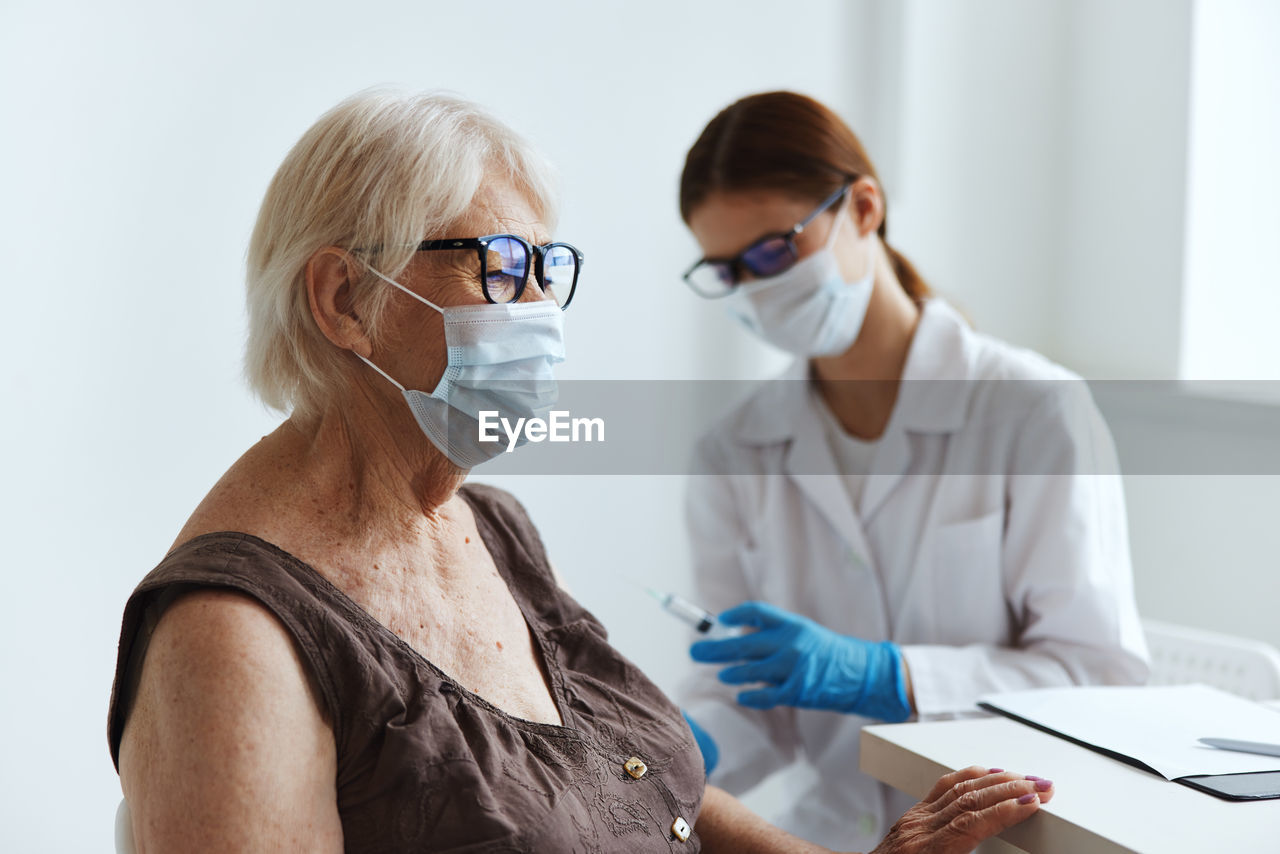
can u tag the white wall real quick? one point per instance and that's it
(1041, 171)
(981, 150)
(1233, 216)
(139, 138)
(1205, 551)
(1125, 127)
(1166, 274)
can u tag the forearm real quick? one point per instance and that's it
(726, 826)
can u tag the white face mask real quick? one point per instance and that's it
(808, 309)
(500, 358)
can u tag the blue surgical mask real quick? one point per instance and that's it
(808, 309)
(500, 358)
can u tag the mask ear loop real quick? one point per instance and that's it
(831, 239)
(391, 281)
(840, 218)
(388, 376)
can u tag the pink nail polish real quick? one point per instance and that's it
(1043, 785)
(1033, 777)
(995, 770)
(1027, 798)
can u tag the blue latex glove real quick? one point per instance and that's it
(806, 665)
(706, 744)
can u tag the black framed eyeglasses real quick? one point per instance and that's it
(505, 262)
(769, 256)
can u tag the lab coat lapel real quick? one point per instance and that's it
(933, 401)
(890, 463)
(811, 465)
(932, 398)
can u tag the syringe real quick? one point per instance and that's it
(699, 619)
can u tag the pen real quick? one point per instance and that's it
(1243, 746)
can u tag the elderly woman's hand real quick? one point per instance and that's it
(964, 808)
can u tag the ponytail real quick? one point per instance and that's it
(912, 282)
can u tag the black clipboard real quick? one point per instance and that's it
(1249, 786)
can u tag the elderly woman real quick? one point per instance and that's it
(346, 647)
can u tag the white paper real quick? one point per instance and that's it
(1159, 726)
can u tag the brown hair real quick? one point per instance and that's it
(786, 142)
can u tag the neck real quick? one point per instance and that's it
(368, 470)
(860, 385)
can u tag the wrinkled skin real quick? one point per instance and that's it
(964, 808)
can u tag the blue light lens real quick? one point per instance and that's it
(769, 257)
(508, 264)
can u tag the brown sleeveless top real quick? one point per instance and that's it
(424, 764)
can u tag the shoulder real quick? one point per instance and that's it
(492, 496)
(1016, 379)
(220, 625)
(221, 607)
(995, 359)
(217, 653)
(500, 508)
(947, 346)
(1004, 378)
(226, 731)
(1045, 413)
(518, 539)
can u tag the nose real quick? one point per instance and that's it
(535, 288)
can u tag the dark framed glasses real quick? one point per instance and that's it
(769, 256)
(506, 260)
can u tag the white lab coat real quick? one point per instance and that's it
(994, 487)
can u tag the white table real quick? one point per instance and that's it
(1100, 804)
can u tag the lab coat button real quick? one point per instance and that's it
(680, 829)
(635, 768)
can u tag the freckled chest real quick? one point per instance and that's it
(466, 623)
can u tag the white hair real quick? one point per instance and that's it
(381, 171)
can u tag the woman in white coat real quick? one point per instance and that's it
(973, 536)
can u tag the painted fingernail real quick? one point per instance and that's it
(995, 770)
(1033, 777)
(1027, 798)
(1043, 785)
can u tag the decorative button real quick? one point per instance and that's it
(680, 828)
(636, 768)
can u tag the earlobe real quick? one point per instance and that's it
(353, 332)
(329, 277)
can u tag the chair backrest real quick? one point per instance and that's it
(1181, 655)
(124, 830)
